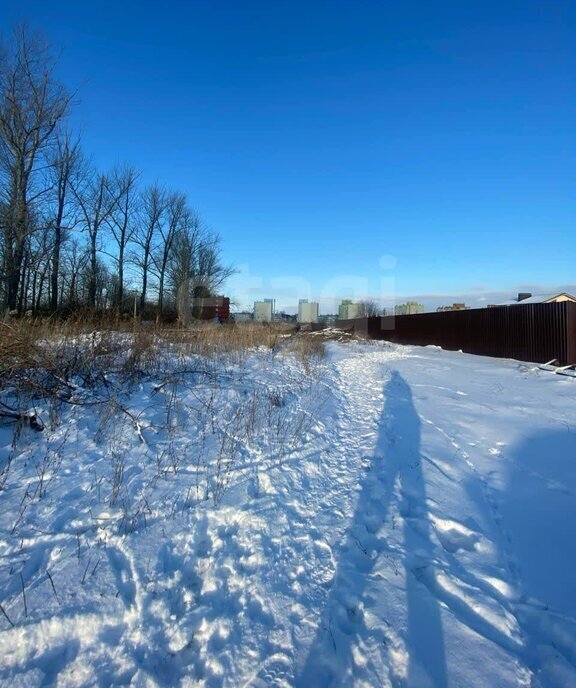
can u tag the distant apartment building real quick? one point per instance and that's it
(453, 307)
(347, 310)
(307, 311)
(264, 310)
(408, 308)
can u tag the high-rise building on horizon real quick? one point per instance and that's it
(264, 310)
(307, 311)
(347, 310)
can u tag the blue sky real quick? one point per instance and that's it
(346, 147)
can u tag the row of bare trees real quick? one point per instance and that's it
(71, 235)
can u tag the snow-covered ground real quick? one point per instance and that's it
(386, 516)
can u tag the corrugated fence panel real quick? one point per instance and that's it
(531, 332)
(571, 328)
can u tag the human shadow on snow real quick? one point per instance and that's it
(347, 643)
(536, 513)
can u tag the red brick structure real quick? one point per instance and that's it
(211, 308)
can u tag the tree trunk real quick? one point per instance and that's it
(93, 270)
(16, 258)
(144, 283)
(55, 267)
(120, 278)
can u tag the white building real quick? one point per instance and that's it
(348, 310)
(307, 311)
(264, 310)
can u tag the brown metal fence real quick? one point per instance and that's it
(532, 332)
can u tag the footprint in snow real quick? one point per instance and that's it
(253, 488)
(275, 672)
(325, 567)
(168, 561)
(347, 616)
(123, 573)
(454, 536)
(204, 547)
(373, 522)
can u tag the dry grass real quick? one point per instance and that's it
(89, 347)
(51, 358)
(208, 339)
(84, 344)
(308, 348)
(47, 364)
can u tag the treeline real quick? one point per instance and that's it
(73, 236)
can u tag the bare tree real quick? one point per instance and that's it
(95, 284)
(176, 217)
(47, 189)
(196, 270)
(63, 165)
(184, 263)
(96, 200)
(4, 215)
(32, 104)
(211, 272)
(74, 261)
(39, 252)
(153, 206)
(368, 309)
(121, 220)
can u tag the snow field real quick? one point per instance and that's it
(388, 515)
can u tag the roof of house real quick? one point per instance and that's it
(537, 298)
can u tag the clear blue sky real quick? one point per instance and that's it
(317, 137)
